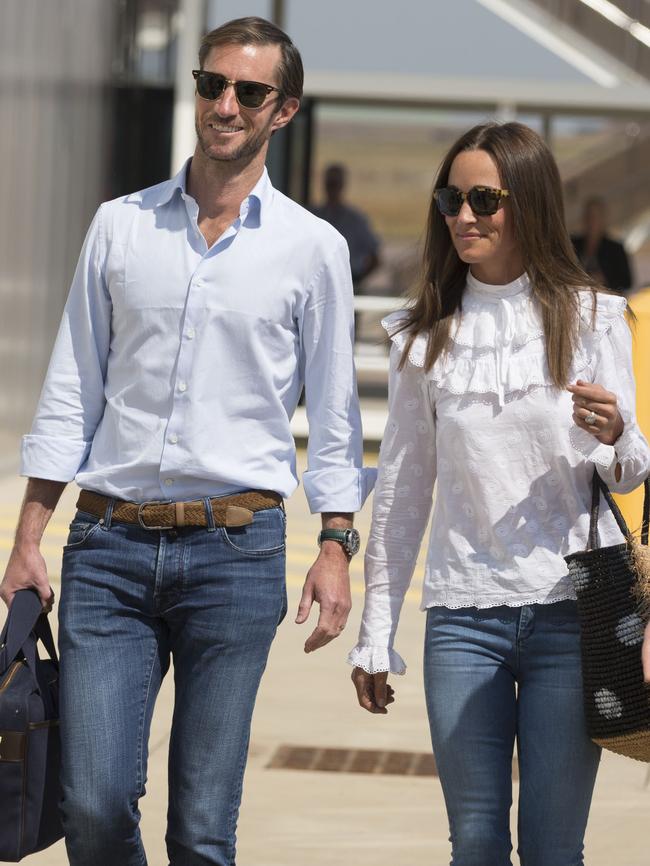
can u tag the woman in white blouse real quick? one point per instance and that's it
(510, 380)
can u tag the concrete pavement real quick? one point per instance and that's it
(296, 817)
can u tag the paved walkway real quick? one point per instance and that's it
(301, 818)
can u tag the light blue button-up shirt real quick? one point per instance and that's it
(177, 368)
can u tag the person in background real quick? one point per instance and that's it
(352, 224)
(198, 310)
(602, 257)
(510, 383)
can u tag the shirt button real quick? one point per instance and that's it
(169, 482)
(190, 333)
(182, 386)
(173, 438)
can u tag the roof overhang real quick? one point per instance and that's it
(427, 91)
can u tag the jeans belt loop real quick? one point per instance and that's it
(108, 514)
(209, 516)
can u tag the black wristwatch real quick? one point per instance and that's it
(349, 539)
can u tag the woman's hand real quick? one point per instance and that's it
(596, 411)
(645, 654)
(373, 692)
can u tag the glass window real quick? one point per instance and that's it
(580, 143)
(392, 155)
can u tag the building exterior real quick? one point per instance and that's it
(90, 100)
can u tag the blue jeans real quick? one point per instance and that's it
(131, 598)
(493, 676)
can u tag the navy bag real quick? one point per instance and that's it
(29, 732)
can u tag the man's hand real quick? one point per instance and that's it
(645, 654)
(596, 411)
(26, 569)
(373, 691)
(328, 583)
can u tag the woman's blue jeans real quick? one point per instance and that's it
(211, 599)
(493, 676)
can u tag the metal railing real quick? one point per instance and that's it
(372, 363)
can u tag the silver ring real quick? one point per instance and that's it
(591, 418)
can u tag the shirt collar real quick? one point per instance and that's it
(257, 202)
(252, 208)
(168, 188)
(521, 284)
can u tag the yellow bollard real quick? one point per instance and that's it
(631, 504)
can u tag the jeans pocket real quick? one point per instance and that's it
(437, 613)
(80, 530)
(285, 605)
(265, 536)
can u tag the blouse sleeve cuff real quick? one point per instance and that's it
(591, 449)
(627, 444)
(630, 451)
(375, 660)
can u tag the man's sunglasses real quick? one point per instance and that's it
(212, 85)
(483, 200)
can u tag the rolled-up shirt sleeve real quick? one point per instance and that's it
(72, 400)
(613, 370)
(401, 506)
(335, 479)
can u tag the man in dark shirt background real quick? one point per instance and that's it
(350, 222)
(601, 256)
(353, 225)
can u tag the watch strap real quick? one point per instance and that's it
(340, 535)
(347, 538)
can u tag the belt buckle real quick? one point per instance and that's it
(152, 502)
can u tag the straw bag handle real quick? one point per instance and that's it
(598, 486)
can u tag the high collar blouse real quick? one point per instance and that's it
(512, 471)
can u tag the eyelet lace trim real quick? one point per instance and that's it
(498, 346)
(377, 660)
(483, 603)
(604, 455)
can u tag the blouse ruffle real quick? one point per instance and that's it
(377, 660)
(497, 345)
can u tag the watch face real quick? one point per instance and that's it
(353, 541)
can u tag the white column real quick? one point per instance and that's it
(505, 112)
(191, 27)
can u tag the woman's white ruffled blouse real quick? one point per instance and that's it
(512, 470)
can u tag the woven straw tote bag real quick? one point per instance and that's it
(613, 589)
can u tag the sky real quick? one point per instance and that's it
(453, 38)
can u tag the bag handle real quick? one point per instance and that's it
(598, 486)
(43, 632)
(25, 616)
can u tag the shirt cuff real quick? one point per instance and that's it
(591, 449)
(631, 452)
(337, 489)
(377, 659)
(51, 458)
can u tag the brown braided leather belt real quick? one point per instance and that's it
(235, 510)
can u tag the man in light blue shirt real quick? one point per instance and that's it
(198, 310)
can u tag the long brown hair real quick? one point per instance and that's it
(528, 170)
